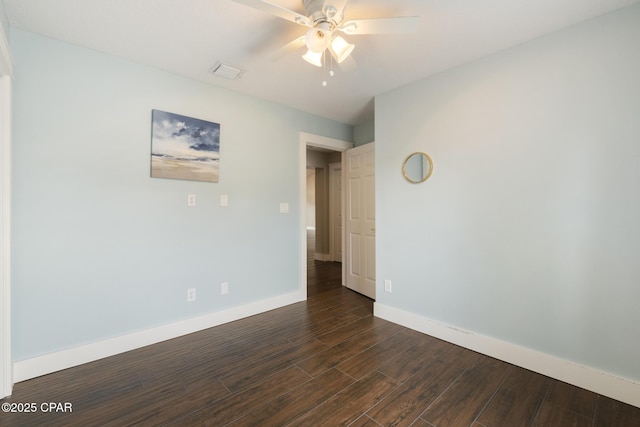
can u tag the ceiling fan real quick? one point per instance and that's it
(325, 19)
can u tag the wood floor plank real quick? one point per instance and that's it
(611, 412)
(333, 356)
(236, 405)
(325, 326)
(157, 408)
(517, 401)
(297, 402)
(348, 405)
(410, 361)
(405, 404)
(127, 408)
(364, 421)
(572, 398)
(341, 298)
(231, 363)
(340, 334)
(422, 423)
(273, 363)
(94, 389)
(366, 361)
(344, 332)
(346, 349)
(551, 415)
(462, 402)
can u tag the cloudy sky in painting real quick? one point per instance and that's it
(184, 137)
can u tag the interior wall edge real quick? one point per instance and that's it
(41, 365)
(604, 383)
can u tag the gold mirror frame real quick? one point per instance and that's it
(425, 176)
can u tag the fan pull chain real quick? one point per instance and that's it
(324, 68)
(331, 73)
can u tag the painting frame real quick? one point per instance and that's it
(184, 147)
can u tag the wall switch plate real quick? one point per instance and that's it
(284, 207)
(224, 200)
(191, 294)
(387, 285)
(191, 200)
(224, 288)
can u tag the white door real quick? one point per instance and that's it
(360, 242)
(335, 208)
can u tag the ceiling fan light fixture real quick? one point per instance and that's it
(317, 39)
(313, 58)
(340, 49)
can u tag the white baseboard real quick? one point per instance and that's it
(321, 257)
(48, 363)
(600, 382)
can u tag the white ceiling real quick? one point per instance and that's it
(187, 37)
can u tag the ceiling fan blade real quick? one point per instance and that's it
(396, 25)
(277, 10)
(287, 48)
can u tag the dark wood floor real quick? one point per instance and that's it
(323, 362)
(321, 276)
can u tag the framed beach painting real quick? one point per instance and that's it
(184, 147)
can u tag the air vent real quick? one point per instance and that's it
(226, 71)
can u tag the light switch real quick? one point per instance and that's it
(387, 285)
(224, 200)
(284, 207)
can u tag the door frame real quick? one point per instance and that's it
(317, 141)
(6, 76)
(335, 169)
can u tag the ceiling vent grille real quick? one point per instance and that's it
(225, 71)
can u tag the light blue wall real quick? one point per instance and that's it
(528, 230)
(101, 249)
(364, 133)
(4, 21)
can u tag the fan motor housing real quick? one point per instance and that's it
(318, 12)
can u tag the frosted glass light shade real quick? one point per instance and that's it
(317, 39)
(341, 49)
(313, 58)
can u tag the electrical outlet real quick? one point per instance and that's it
(191, 294)
(224, 288)
(387, 285)
(191, 200)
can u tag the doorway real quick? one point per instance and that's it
(324, 151)
(324, 272)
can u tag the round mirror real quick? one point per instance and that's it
(417, 167)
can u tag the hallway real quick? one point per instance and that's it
(322, 276)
